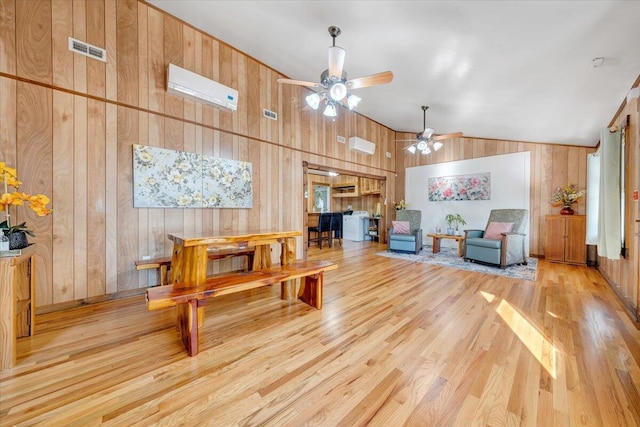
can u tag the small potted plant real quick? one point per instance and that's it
(454, 219)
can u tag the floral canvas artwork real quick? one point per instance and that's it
(460, 187)
(226, 183)
(165, 178)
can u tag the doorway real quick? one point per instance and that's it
(340, 191)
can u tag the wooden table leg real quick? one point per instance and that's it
(288, 289)
(189, 269)
(459, 247)
(436, 244)
(261, 257)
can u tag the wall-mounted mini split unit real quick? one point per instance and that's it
(200, 89)
(363, 145)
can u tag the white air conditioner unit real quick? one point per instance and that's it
(363, 145)
(200, 89)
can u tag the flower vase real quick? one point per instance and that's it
(566, 211)
(18, 240)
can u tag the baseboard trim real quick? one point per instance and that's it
(87, 301)
(624, 301)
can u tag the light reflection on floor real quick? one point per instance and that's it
(536, 343)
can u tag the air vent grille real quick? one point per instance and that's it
(270, 114)
(87, 50)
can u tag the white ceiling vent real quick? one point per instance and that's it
(87, 50)
(270, 114)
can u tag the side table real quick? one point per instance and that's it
(438, 237)
(17, 302)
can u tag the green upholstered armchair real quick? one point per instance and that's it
(411, 242)
(503, 247)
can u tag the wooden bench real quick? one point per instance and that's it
(163, 264)
(188, 300)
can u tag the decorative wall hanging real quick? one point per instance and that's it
(165, 178)
(460, 187)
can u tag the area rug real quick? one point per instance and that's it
(448, 257)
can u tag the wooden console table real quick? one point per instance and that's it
(438, 237)
(17, 302)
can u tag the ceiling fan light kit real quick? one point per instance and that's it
(338, 91)
(313, 101)
(330, 110)
(333, 87)
(426, 142)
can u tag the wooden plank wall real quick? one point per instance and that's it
(624, 274)
(551, 166)
(68, 123)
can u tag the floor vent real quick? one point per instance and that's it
(87, 50)
(270, 114)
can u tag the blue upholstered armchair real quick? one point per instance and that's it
(502, 241)
(406, 242)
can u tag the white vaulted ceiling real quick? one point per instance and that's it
(517, 70)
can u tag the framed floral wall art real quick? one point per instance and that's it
(460, 187)
(165, 178)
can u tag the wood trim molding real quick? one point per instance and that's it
(184, 120)
(624, 301)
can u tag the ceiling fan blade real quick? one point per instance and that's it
(299, 83)
(406, 140)
(336, 61)
(372, 80)
(447, 136)
(427, 133)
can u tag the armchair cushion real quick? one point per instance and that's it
(400, 227)
(485, 243)
(403, 238)
(495, 230)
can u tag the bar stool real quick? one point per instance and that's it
(336, 227)
(322, 231)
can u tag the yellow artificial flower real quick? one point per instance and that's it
(10, 174)
(37, 202)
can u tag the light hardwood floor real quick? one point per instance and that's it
(396, 343)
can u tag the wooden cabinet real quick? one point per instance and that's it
(369, 186)
(346, 189)
(565, 239)
(17, 302)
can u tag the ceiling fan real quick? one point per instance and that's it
(426, 141)
(333, 85)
